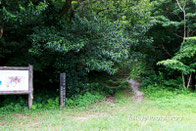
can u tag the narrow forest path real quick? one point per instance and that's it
(134, 85)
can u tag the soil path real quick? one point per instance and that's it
(139, 95)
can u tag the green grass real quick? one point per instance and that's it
(122, 114)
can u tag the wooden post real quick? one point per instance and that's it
(30, 97)
(62, 89)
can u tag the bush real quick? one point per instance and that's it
(42, 101)
(157, 91)
(87, 99)
(140, 70)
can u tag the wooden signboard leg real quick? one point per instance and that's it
(30, 100)
(30, 97)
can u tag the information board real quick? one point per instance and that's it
(17, 80)
(11, 80)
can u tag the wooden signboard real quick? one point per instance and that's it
(17, 80)
(62, 89)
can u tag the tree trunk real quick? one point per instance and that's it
(189, 81)
(185, 33)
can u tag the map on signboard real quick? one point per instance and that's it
(12, 80)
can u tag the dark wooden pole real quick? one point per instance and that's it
(62, 89)
(30, 99)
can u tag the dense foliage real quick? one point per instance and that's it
(177, 21)
(184, 60)
(86, 38)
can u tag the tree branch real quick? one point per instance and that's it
(178, 35)
(163, 47)
(184, 5)
(180, 5)
(183, 10)
(102, 10)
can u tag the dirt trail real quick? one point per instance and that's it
(139, 95)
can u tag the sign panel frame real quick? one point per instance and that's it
(30, 83)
